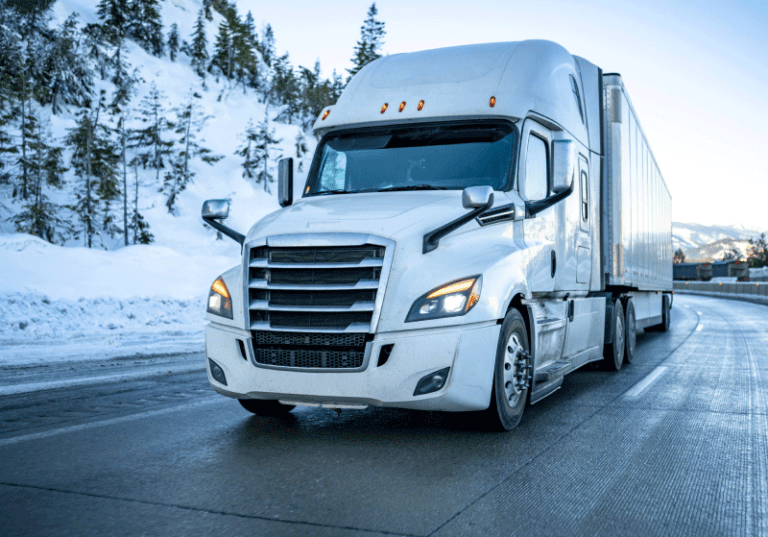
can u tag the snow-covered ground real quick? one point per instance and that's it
(65, 303)
(72, 303)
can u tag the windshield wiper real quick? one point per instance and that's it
(411, 187)
(337, 191)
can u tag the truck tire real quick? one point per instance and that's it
(613, 353)
(512, 375)
(266, 408)
(630, 332)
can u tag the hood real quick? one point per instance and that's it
(386, 214)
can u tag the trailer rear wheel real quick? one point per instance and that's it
(512, 375)
(266, 408)
(631, 332)
(613, 353)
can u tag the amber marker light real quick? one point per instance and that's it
(325, 115)
(456, 287)
(402, 106)
(384, 108)
(492, 102)
(420, 106)
(220, 288)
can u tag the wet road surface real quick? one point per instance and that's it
(675, 444)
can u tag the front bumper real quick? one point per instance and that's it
(469, 351)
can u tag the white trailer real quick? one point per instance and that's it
(477, 222)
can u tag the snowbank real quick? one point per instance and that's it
(59, 303)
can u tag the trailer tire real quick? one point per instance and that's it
(631, 332)
(266, 408)
(511, 376)
(613, 353)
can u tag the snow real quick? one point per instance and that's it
(69, 302)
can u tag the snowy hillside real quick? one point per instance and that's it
(131, 296)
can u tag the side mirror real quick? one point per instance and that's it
(474, 197)
(285, 182)
(216, 209)
(564, 161)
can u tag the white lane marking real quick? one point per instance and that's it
(700, 328)
(101, 379)
(638, 388)
(111, 421)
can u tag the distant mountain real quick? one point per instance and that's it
(718, 250)
(694, 236)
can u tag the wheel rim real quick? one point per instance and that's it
(515, 371)
(619, 337)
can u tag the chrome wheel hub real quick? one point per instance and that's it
(517, 366)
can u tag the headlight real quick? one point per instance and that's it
(450, 300)
(219, 301)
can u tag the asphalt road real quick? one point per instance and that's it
(675, 444)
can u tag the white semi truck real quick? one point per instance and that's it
(477, 222)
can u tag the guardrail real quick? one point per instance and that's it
(736, 288)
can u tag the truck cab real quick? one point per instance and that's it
(448, 250)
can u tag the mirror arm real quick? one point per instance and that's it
(432, 239)
(534, 207)
(229, 232)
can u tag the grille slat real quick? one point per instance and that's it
(311, 301)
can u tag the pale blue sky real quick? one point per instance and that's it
(697, 73)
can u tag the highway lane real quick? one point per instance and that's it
(675, 444)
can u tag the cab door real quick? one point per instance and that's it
(540, 231)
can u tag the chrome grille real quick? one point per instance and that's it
(313, 307)
(317, 288)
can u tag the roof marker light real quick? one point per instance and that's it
(421, 105)
(402, 106)
(492, 102)
(325, 115)
(384, 108)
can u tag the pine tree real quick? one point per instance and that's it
(247, 150)
(189, 123)
(758, 252)
(145, 25)
(114, 16)
(223, 52)
(155, 148)
(39, 216)
(94, 160)
(285, 90)
(199, 52)
(263, 154)
(266, 48)
(371, 40)
(69, 76)
(173, 41)
(28, 130)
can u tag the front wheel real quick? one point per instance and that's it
(512, 374)
(266, 408)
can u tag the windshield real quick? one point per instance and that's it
(414, 158)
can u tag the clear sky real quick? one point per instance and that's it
(697, 73)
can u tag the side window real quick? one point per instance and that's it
(575, 89)
(536, 169)
(584, 197)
